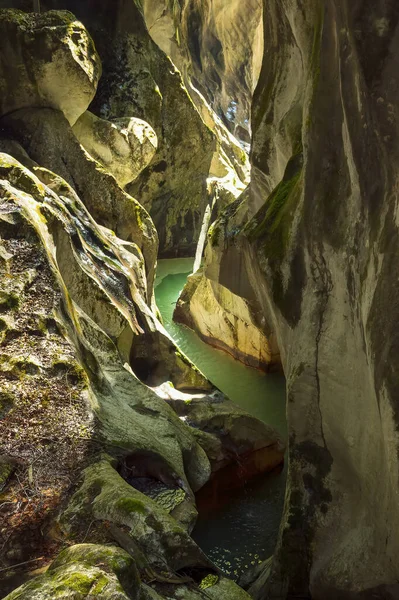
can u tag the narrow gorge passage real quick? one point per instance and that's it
(149, 449)
(242, 531)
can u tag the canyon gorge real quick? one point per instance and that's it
(199, 364)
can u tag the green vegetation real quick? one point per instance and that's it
(272, 223)
(208, 581)
(131, 505)
(8, 301)
(78, 582)
(214, 235)
(99, 586)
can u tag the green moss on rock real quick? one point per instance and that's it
(77, 582)
(208, 581)
(214, 233)
(8, 301)
(271, 225)
(130, 505)
(6, 470)
(85, 571)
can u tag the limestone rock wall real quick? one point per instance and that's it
(141, 81)
(95, 395)
(219, 45)
(317, 242)
(195, 146)
(219, 302)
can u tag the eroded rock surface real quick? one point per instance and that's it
(47, 137)
(140, 80)
(87, 362)
(102, 309)
(124, 146)
(219, 302)
(216, 44)
(47, 60)
(317, 244)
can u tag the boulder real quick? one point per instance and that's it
(47, 60)
(124, 146)
(85, 571)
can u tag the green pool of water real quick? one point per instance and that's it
(244, 531)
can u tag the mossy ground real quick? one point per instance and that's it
(45, 425)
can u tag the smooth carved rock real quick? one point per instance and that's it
(219, 302)
(115, 296)
(47, 137)
(219, 45)
(124, 146)
(158, 535)
(101, 289)
(170, 27)
(229, 426)
(193, 143)
(140, 80)
(47, 60)
(318, 248)
(226, 321)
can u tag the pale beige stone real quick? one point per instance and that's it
(124, 146)
(47, 60)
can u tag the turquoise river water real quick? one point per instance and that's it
(244, 531)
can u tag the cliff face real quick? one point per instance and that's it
(195, 153)
(300, 269)
(316, 240)
(218, 46)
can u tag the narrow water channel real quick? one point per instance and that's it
(243, 532)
